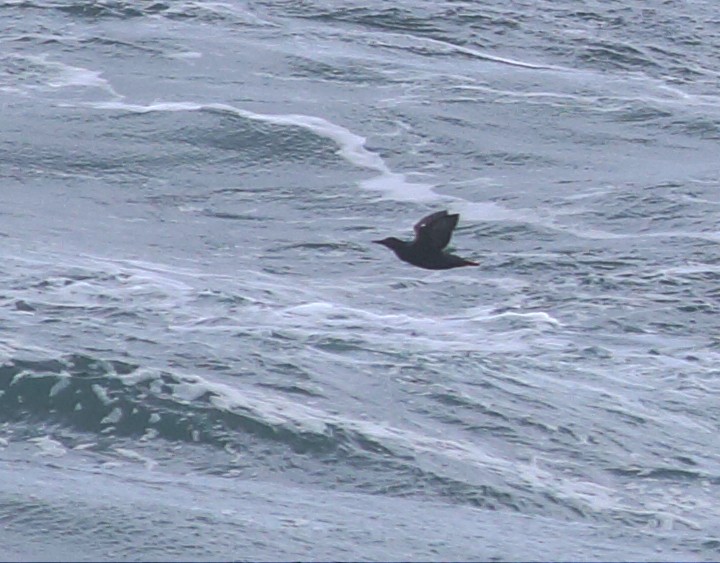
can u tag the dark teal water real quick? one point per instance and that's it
(204, 357)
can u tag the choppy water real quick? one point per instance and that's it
(204, 357)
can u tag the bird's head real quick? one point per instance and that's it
(391, 242)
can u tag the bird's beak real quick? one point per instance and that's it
(378, 242)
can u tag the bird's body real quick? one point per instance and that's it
(432, 235)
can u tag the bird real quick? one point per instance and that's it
(432, 235)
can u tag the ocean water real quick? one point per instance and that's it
(205, 357)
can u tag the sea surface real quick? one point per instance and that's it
(203, 355)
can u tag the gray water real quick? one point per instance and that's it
(205, 357)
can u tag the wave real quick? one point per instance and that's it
(114, 400)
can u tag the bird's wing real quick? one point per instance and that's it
(435, 230)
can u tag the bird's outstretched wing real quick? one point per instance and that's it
(435, 230)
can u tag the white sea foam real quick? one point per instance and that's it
(538, 316)
(351, 146)
(113, 417)
(132, 455)
(611, 97)
(393, 40)
(488, 57)
(101, 394)
(438, 452)
(245, 16)
(389, 184)
(411, 333)
(49, 447)
(185, 55)
(62, 75)
(63, 383)
(396, 186)
(173, 301)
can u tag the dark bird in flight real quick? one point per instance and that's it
(432, 234)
